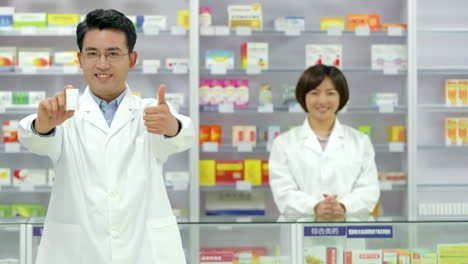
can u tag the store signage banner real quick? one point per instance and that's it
(324, 231)
(370, 232)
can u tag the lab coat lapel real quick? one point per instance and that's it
(309, 138)
(125, 112)
(335, 141)
(93, 114)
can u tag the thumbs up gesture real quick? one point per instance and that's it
(158, 119)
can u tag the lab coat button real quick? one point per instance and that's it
(114, 234)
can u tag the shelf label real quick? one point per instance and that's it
(386, 108)
(243, 186)
(396, 146)
(150, 69)
(210, 147)
(218, 68)
(226, 108)
(295, 108)
(151, 31)
(25, 30)
(386, 186)
(207, 31)
(12, 147)
(244, 219)
(29, 69)
(180, 69)
(253, 69)
(64, 31)
(370, 232)
(26, 188)
(224, 227)
(292, 32)
(362, 31)
(180, 185)
(334, 31)
(395, 31)
(70, 69)
(390, 70)
(222, 30)
(178, 30)
(244, 147)
(266, 108)
(324, 231)
(2, 109)
(243, 31)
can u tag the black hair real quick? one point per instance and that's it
(314, 76)
(106, 19)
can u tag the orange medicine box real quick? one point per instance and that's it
(362, 20)
(10, 131)
(204, 135)
(216, 133)
(451, 87)
(451, 131)
(265, 172)
(462, 131)
(229, 171)
(396, 134)
(462, 92)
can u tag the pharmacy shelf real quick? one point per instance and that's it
(239, 71)
(457, 31)
(233, 187)
(442, 108)
(61, 71)
(25, 189)
(442, 148)
(401, 109)
(444, 70)
(71, 32)
(224, 148)
(443, 186)
(213, 32)
(18, 109)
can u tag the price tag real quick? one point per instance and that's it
(362, 31)
(218, 68)
(334, 31)
(390, 70)
(386, 108)
(292, 32)
(222, 31)
(26, 188)
(244, 219)
(385, 186)
(178, 30)
(395, 31)
(295, 108)
(253, 69)
(180, 185)
(226, 108)
(29, 69)
(244, 147)
(12, 147)
(266, 108)
(70, 69)
(64, 31)
(243, 31)
(210, 147)
(180, 69)
(2, 109)
(28, 31)
(396, 146)
(151, 31)
(224, 227)
(243, 186)
(207, 31)
(150, 69)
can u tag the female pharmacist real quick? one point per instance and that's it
(323, 168)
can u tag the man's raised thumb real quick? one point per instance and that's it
(162, 94)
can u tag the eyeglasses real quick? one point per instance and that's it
(111, 56)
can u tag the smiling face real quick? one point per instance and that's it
(323, 101)
(106, 79)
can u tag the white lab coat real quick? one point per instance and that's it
(109, 203)
(300, 171)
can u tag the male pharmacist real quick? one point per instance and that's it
(109, 203)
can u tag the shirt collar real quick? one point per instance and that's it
(100, 102)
